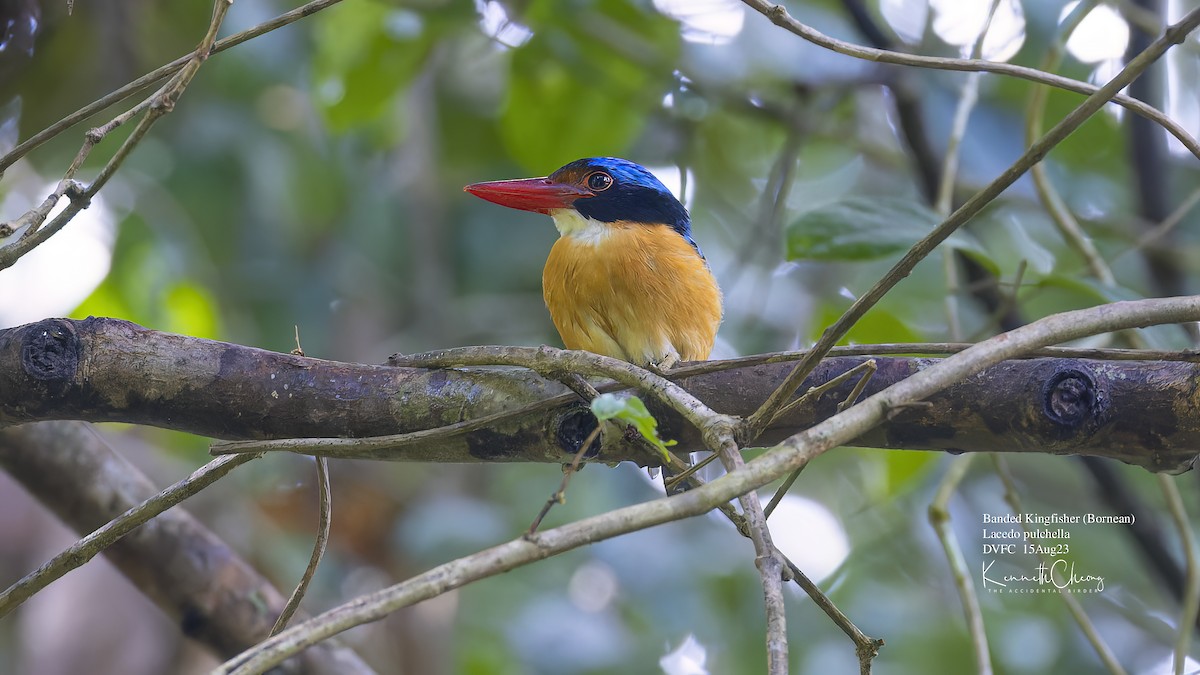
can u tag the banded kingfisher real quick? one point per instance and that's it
(625, 278)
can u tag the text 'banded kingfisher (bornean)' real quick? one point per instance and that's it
(625, 278)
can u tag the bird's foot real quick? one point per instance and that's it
(663, 365)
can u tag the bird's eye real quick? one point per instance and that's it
(599, 181)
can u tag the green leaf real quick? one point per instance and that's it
(573, 92)
(817, 188)
(1088, 289)
(860, 228)
(883, 474)
(191, 310)
(1040, 259)
(904, 469)
(632, 410)
(367, 54)
(553, 118)
(878, 325)
(106, 300)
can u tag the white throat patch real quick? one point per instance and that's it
(571, 223)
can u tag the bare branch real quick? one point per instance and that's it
(1037, 150)
(866, 369)
(154, 76)
(548, 360)
(324, 520)
(769, 563)
(88, 547)
(939, 518)
(780, 17)
(112, 370)
(206, 589)
(161, 103)
(1062, 217)
(560, 495)
(943, 203)
(793, 453)
(1191, 596)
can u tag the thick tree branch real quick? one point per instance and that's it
(94, 543)
(113, 370)
(792, 454)
(213, 595)
(1141, 412)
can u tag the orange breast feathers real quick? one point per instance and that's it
(631, 291)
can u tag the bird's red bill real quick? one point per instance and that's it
(528, 194)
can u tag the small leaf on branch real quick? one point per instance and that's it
(632, 410)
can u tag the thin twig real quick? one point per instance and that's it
(1191, 595)
(780, 17)
(1007, 303)
(867, 369)
(765, 228)
(161, 103)
(770, 567)
(560, 495)
(154, 76)
(1158, 231)
(324, 519)
(939, 518)
(962, 114)
(32, 219)
(945, 194)
(1060, 214)
(1037, 150)
(936, 349)
(950, 274)
(355, 447)
(789, 455)
(782, 491)
(672, 481)
(548, 361)
(865, 646)
(88, 547)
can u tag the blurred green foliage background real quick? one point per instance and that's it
(312, 178)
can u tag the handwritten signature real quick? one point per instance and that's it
(1060, 573)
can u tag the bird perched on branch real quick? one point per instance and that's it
(625, 278)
